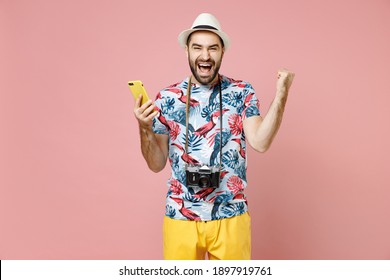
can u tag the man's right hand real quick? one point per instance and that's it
(154, 147)
(145, 113)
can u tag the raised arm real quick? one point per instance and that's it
(154, 147)
(261, 132)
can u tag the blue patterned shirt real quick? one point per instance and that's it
(238, 103)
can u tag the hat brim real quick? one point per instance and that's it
(183, 36)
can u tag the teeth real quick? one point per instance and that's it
(205, 65)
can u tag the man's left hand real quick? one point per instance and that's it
(285, 79)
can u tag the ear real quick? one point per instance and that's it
(186, 50)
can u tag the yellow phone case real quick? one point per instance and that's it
(137, 89)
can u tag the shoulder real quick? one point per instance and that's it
(230, 83)
(175, 88)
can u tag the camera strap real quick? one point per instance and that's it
(220, 118)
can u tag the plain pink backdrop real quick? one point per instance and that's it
(74, 184)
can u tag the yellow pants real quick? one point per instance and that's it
(226, 239)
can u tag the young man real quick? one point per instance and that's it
(201, 125)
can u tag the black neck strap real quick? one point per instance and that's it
(220, 118)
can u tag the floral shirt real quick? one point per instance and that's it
(238, 102)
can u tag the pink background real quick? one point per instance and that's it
(74, 184)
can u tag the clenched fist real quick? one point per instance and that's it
(285, 79)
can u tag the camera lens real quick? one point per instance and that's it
(204, 181)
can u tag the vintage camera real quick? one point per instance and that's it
(202, 176)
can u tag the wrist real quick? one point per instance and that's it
(281, 95)
(145, 127)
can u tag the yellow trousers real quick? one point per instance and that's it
(225, 239)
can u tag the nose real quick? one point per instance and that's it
(205, 55)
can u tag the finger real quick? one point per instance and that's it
(139, 112)
(138, 102)
(149, 110)
(285, 71)
(282, 75)
(290, 76)
(140, 109)
(146, 104)
(153, 115)
(150, 117)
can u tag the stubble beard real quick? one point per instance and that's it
(200, 79)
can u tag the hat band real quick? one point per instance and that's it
(204, 27)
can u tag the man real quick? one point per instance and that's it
(201, 125)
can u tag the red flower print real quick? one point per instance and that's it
(235, 184)
(174, 129)
(175, 187)
(235, 123)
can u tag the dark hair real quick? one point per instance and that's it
(189, 37)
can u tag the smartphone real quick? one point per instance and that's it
(137, 89)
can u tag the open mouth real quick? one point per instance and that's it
(205, 68)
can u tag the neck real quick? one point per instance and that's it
(214, 82)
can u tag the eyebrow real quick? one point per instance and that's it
(199, 45)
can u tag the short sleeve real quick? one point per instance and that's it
(160, 125)
(251, 103)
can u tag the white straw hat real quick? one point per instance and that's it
(206, 22)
